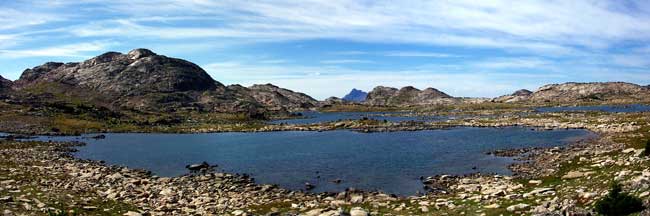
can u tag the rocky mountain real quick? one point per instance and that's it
(519, 95)
(356, 96)
(5, 86)
(408, 95)
(577, 92)
(273, 96)
(594, 91)
(5, 83)
(144, 80)
(137, 73)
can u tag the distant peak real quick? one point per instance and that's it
(140, 53)
(355, 95)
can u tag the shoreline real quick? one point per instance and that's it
(248, 183)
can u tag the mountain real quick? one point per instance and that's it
(137, 73)
(580, 92)
(356, 96)
(5, 86)
(273, 96)
(144, 80)
(405, 96)
(594, 91)
(519, 95)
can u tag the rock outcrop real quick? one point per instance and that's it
(356, 96)
(144, 80)
(406, 96)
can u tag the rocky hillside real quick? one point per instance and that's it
(356, 96)
(273, 96)
(519, 95)
(588, 91)
(5, 85)
(580, 92)
(388, 96)
(144, 80)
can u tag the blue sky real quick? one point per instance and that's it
(327, 47)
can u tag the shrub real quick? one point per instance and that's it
(618, 203)
(647, 148)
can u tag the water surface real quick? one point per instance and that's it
(601, 108)
(311, 117)
(390, 162)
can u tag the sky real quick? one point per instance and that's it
(482, 48)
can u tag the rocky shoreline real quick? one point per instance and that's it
(550, 181)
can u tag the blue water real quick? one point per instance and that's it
(602, 108)
(311, 117)
(390, 162)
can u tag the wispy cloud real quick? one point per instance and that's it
(344, 61)
(68, 50)
(419, 54)
(273, 61)
(500, 63)
(462, 79)
(429, 43)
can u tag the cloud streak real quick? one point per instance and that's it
(460, 45)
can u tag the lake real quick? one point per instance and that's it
(391, 162)
(601, 108)
(311, 117)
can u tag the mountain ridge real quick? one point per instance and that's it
(580, 92)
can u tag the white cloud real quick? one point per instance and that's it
(68, 50)
(555, 36)
(538, 26)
